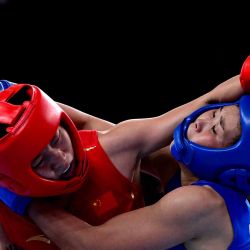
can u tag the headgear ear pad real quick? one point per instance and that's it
(229, 166)
(29, 119)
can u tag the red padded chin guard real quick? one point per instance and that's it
(245, 75)
(29, 119)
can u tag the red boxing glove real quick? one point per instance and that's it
(245, 75)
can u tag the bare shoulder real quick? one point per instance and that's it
(119, 138)
(196, 207)
(203, 197)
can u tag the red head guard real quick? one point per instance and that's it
(28, 121)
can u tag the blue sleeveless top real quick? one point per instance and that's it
(238, 209)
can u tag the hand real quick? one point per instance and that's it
(42, 205)
(5, 244)
(15, 202)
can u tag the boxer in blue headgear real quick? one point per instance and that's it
(229, 166)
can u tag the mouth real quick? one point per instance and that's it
(68, 172)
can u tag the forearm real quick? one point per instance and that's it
(169, 121)
(227, 91)
(85, 121)
(62, 228)
(119, 233)
(157, 132)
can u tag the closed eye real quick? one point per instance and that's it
(213, 130)
(56, 138)
(37, 162)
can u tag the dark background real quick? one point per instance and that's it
(120, 61)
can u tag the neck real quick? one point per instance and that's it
(187, 178)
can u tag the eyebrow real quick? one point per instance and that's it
(222, 120)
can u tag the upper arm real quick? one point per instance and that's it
(137, 136)
(85, 121)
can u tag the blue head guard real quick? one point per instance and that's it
(229, 166)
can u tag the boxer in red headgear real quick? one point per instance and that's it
(31, 126)
(29, 120)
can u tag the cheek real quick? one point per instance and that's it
(46, 173)
(69, 146)
(204, 139)
(65, 143)
(192, 133)
(42, 172)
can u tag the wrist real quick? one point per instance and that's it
(38, 207)
(211, 97)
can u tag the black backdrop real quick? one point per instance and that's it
(119, 61)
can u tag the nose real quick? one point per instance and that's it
(55, 158)
(200, 124)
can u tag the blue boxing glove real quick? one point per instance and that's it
(15, 202)
(4, 84)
